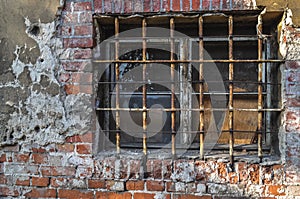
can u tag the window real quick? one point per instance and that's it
(205, 83)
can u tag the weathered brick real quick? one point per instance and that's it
(189, 196)
(85, 17)
(21, 157)
(22, 180)
(78, 42)
(113, 185)
(67, 30)
(175, 6)
(117, 6)
(165, 7)
(83, 171)
(144, 195)
(87, 137)
(81, 6)
(84, 148)
(74, 65)
(155, 5)
(9, 191)
(82, 54)
(40, 181)
(186, 5)
(65, 147)
(58, 171)
(113, 195)
(83, 30)
(16, 169)
(127, 6)
(276, 190)
(64, 193)
(39, 158)
(14, 148)
(155, 185)
(41, 193)
(3, 179)
(70, 18)
(58, 182)
(3, 158)
(137, 6)
(195, 5)
(147, 6)
(82, 78)
(96, 184)
(135, 185)
(254, 173)
(98, 6)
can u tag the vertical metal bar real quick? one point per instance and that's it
(144, 24)
(201, 88)
(230, 103)
(260, 96)
(117, 72)
(172, 27)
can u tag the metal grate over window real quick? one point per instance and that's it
(201, 82)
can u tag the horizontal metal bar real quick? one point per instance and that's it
(178, 39)
(191, 61)
(195, 132)
(193, 93)
(192, 109)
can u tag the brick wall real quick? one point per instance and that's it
(70, 170)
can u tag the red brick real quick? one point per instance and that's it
(58, 182)
(117, 6)
(292, 64)
(254, 173)
(223, 5)
(175, 5)
(3, 157)
(66, 31)
(165, 7)
(98, 6)
(135, 166)
(147, 6)
(96, 184)
(215, 4)
(155, 5)
(76, 89)
(195, 5)
(38, 158)
(107, 6)
(82, 77)
(41, 193)
(39, 150)
(135, 185)
(9, 191)
(81, 6)
(3, 179)
(83, 30)
(1, 167)
(64, 77)
(70, 18)
(84, 148)
(127, 6)
(74, 65)
(22, 157)
(58, 171)
(186, 5)
(75, 194)
(155, 185)
(85, 17)
(205, 4)
(22, 181)
(143, 196)
(276, 190)
(113, 195)
(78, 42)
(40, 181)
(87, 137)
(65, 147)
(188, 196)
(83, 54)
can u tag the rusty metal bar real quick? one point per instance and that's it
(117, 73)
(191, 61)
(260, 89)
(172, 46)
(144, 24)
(201, 88)
(189, 109)
(230, 103)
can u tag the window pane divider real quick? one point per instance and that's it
(144, 30)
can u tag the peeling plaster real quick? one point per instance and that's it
(44, 117)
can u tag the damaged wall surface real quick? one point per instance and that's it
(48, 122)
